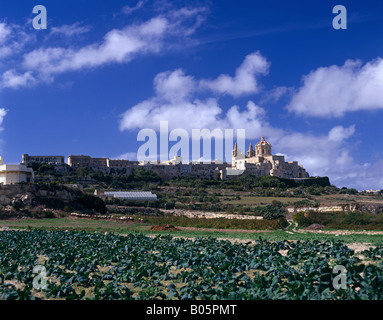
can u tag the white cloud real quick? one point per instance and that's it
(339, 133)
(318, 153)
(13, 40)
(14, 80)
(276, 94)
(187, 115)
(156, 35)
(175, 101)
(331, 155)
(244, 81)
(118, 46)
(196, 114)
(70, 30)
(128, 10)
(333, 91)
(177, 85)
(132, 156)
(174, 86)
(3, 113)
(5, 32)
(253, 119)
(195, 16)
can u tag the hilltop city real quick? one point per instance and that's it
(258, 161)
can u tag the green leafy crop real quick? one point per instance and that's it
(81, 265)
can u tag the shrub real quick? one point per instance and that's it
(17, 205)
(47, 214)
(340, 220)
(92, 202)
(271, 211)
(301, 219)
(345, 190)
(303, 203)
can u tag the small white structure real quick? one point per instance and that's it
(176, 160)
(127, 195)
(15, 173)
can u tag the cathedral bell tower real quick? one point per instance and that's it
(250, 152)
(235, 150)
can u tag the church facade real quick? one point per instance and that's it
(260, 162)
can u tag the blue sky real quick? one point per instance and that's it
(103, 70)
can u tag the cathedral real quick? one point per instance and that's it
(261, 162)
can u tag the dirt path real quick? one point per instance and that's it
(294, 229)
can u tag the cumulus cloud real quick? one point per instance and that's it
(197, 114)
(320, 154)
(184, 114)
(244, 81)
(331, 155)
(333, 91)
(175, 85)
(177, 102)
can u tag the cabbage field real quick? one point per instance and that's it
(41, 264)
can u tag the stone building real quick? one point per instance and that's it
(27, 160)
(15, 173)
(260, 161)
(82, 161)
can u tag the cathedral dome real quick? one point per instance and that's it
(263, 148)
(263, 142)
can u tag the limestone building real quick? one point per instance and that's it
(89, 162)
(15, 173)
(47, 159)
(260, 161)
